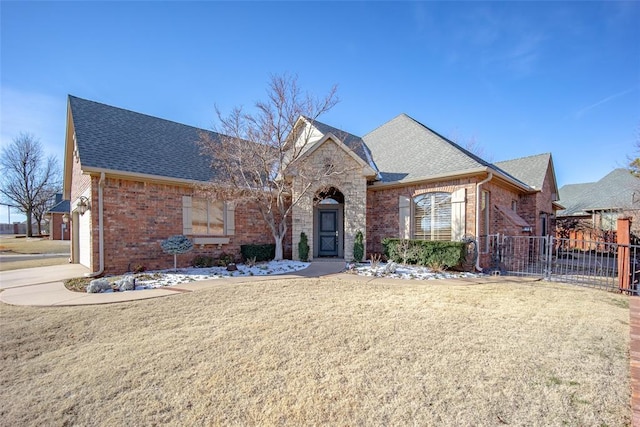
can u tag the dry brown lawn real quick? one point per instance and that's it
(11, 245)
(323, 352)
(32, 263)
(33, 245)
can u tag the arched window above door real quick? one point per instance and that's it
(329, 196)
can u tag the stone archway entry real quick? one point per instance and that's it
(329, 224)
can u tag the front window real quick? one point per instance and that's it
(208, 217)
(609, 220)
(432, 216)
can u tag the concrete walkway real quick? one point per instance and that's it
(43, 286)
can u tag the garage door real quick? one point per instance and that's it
(84, 239)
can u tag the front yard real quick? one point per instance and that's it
(323, 351)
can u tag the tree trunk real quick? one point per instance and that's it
(279, 249)
(29, 225)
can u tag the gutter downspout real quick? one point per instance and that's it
(478, 203)
(100, 228)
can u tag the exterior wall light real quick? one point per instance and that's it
(83, 205)
(65, 218)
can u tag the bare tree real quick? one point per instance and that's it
(470, 144)
(44, 203)
(28, 178)
(257, 158)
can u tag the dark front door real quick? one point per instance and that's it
(328, 232)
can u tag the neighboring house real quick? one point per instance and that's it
(591, 210)
(59, 219)
(131, 180)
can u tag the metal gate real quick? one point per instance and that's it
(581, 262)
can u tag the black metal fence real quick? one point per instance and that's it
(581, 262)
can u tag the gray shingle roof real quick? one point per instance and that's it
(615, 191)
(530, 170)
(121, 140)
(405, 149)
(62, 207)
(402, 149)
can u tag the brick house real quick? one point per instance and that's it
(58, 216)
(131, 178)
(591, 210)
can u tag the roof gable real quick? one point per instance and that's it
(353, 142)
(114, 139)
(367, 170)
(531, 170)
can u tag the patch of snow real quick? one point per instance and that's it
(407, 272)
(162, 278)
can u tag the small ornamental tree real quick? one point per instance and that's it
(175, 245)
(358, 247)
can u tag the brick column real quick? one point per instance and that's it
(623, 241)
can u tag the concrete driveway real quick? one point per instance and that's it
(39, 275)
(43, 286)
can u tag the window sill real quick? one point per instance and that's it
(211, 240)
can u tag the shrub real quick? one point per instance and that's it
(358, 247)
(303, 247)
(225, 259)
(139, 268)
(425, 252)
(264, 252)
(202, 261)
(375, 260)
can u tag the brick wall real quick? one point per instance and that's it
(383, 208)
(139, 215)
(55, 228)
(501, 196)
(79, 182)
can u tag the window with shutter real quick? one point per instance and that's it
(432, 216)
(404, 216)
(206, 217)
(458, 214)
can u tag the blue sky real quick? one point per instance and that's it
(519, 78)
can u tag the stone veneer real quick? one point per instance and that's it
(350, 182)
